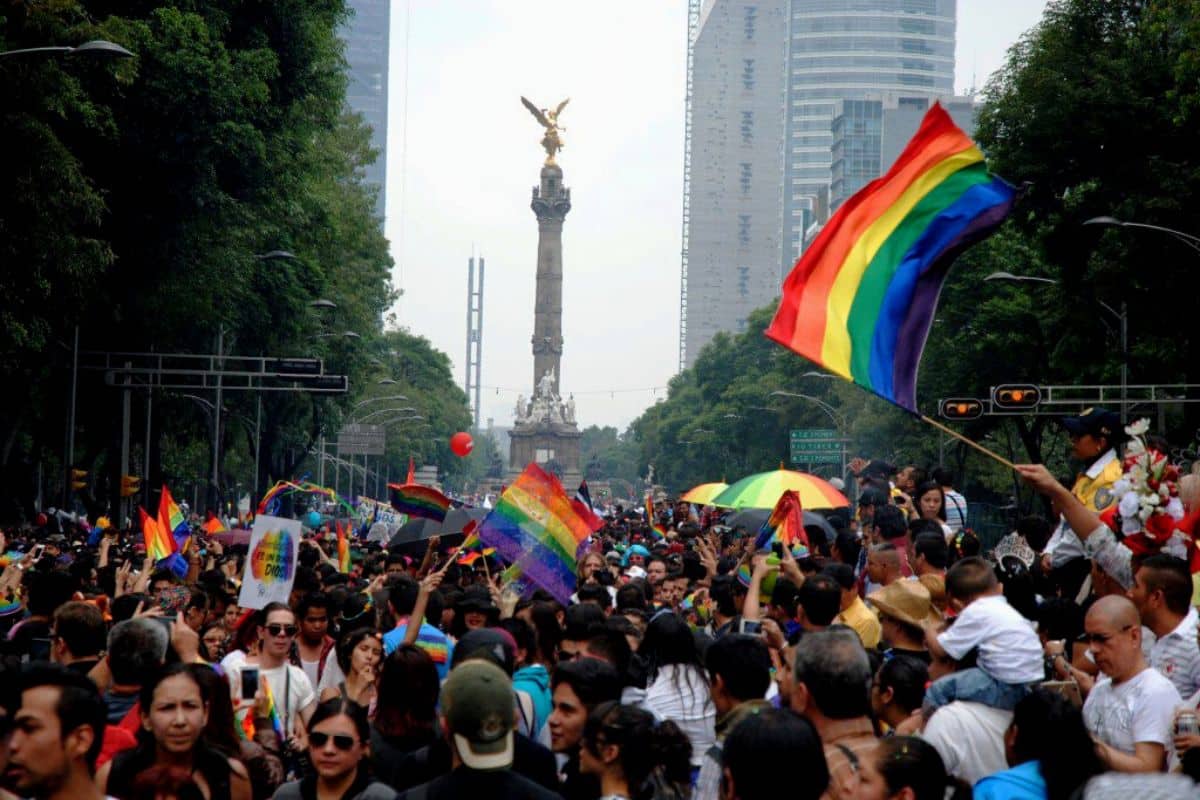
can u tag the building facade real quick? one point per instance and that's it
(843, 50)
(735, 186)
(869, 135)
(366, 36)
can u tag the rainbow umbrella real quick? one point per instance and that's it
(703, 494)
(763, 490)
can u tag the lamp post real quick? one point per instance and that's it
(97, 49)
(1122, 318)
(1187, 238)
(839, 422)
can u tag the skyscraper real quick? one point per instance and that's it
(366, 37)
(734, 168)
(848, 50)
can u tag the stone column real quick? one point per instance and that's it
(551, 202)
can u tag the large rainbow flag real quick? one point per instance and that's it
(535, 526)
(159, 543)
(861, 299)
(419, 501)
(785, 525)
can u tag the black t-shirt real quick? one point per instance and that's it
(469, 783)
(530, 760)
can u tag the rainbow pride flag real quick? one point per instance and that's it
(419, 501)
(535, 527)
(214, 525)
(785, 525)
(343, 550)
(247, 727)
(171, 519)
(861, 299)
(159, 543)
(657, 531)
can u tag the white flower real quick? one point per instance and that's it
(1130, 525)
(1121, 486)
(1175, 508)
(1129, 504)
(1138, 427)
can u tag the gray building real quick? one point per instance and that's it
(732, 212)
(366, 37)
(847, 50)
(869, 135)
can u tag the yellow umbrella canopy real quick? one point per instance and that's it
(703, 494)
(763, 490)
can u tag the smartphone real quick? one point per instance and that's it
(249, 682)
(750, 627)
(37, 551)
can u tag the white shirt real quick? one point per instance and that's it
(956, 510)
(1140, 709)
(1065, 544)
(295, 687)
(681, 695)
(1177, 657)
(970, 738)
(1009, 649)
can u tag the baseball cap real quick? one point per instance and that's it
(477, 702)
(1096, 422)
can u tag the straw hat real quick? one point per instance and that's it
(907, 601)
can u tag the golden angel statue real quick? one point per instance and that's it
(549, 120)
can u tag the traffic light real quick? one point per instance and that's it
(961, 409)
(78, 479)
(1016, 396)
(130, 485)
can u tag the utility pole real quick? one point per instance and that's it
(123, 503)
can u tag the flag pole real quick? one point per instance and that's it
(976, 445)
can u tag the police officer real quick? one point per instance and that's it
(1095, 435)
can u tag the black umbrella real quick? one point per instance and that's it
(753, 518)
(419, 529)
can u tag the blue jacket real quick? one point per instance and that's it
(534, 680)
(1023, 782)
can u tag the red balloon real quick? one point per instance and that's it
(40, 520)
(461, 443)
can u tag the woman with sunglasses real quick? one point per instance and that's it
(338, 746)
(634, 756)
(174, 709)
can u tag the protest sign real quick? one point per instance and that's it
(271, 564)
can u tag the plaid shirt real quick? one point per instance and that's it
(847, 743)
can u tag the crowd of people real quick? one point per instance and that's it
(889, 656)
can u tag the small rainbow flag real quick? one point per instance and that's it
(159, 544)
(214, 525)
(785, 525)
(657, 531)
(535, 527)
(419, 501)
(247, 728)
(861, 299)
(343, 550)
(170, 516)
(468, 559)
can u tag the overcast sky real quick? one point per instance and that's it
(461, 183)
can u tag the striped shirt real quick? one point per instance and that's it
(956, 510)
(429, 639)
(1177, 657)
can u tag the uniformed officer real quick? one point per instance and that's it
(1095, 436)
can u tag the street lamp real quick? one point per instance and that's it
(276, 255)
(97, 48)
(838, 421)
(380, 411)
(1122, 317)
(342, 335)
(815, 374)
(386, 382)
(1187, 238)
(321, 302)
(362, 403)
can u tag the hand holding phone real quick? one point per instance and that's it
(249, 682)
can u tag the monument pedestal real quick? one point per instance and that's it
(552, 446)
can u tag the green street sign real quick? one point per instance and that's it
(816, 446)
(813, 433)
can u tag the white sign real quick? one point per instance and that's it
(373, 511)
(271, 564)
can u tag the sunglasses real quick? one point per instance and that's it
(281, 630)
(1102, 638)
(340, 740)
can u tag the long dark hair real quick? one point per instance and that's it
(221, 731)
(925, 488)
(669, 640)
(408, 691)
(655, 758)
(146, 698)
(338, 707)
(913, 762)
(1051, 731)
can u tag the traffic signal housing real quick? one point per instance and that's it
(130, 485)
(960, 408)
(78, 479)
(1016, 396)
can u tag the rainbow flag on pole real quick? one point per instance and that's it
(170, 517)
(861, 299)
(343, 549)
(785, 525)
(159, 543)
(248, 729)
(419, 501)
(657, 531)
(535, 527)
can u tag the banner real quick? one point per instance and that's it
(271, 564)
(374, 512)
